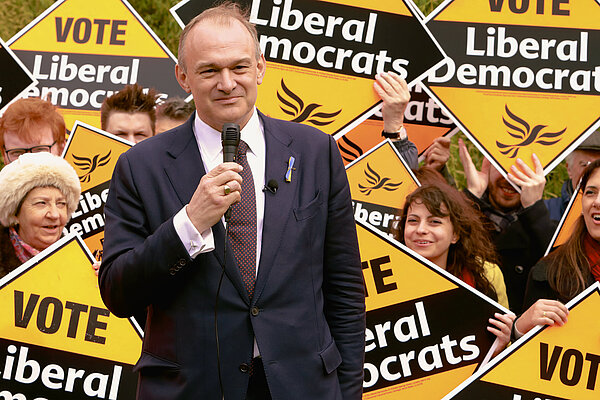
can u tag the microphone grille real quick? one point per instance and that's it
(231, 132)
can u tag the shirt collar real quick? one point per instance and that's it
(210, 139)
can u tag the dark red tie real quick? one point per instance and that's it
(242, 224)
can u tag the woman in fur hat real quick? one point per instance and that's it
(38, 194)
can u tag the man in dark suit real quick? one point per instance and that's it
(297, 331)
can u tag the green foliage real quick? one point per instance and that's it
(16, 14)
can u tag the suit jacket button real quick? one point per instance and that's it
(244, 368)
(254, 311)
(519, 269)
(182, 263)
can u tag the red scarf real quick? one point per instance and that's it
(467, 277)
(23, 251)
(592, 252)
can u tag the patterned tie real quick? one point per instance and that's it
(242, 224)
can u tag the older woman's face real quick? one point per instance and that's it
(42, 217)
(590, 204)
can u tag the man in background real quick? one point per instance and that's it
(31, 125)
(519, 223)
(130, 113)
(171, 113)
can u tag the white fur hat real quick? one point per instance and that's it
(33, 170)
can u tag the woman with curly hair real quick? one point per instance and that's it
(438, 223)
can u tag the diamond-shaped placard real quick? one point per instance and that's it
(524, 76)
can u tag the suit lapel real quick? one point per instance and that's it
(277, 205)
(185, 172)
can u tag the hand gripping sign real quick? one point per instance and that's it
(83, 51)
(524, 76)
(57, 339)
(322, 56)
(426, 329)
(549, 363)
(424, 121)
(93, 154)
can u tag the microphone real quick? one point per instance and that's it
(271, 186)
(230, 139)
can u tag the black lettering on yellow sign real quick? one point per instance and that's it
(379, 274)
(53, 308)
(571, 365)
(522, 6)
(81, 29)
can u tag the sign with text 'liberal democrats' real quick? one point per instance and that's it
(424, 121)
(550, 363)
(57, 339)
(379, 182)
(93, 154)
(15, 78)
(322, 55)
(426, 329)
(524, 76)
(82, 51)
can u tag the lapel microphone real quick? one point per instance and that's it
(230, 139)
(271, 186)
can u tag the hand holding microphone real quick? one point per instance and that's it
(220, 187)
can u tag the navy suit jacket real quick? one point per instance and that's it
(307, 312)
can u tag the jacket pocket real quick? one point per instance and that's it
(148, 362)
(307, 211)
(331, 357)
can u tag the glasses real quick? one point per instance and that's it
(13, 154)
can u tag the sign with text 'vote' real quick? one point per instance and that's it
(524, 76)
(15, 78)
(82, 51)
(379, 182)
(549, 363)
(424, 121)
(57, 339)
(93, 154)
(426, 329)
(322, 56)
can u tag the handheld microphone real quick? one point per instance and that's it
(230, 139)
(271, 186)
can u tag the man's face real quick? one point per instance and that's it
(503, 195)
(44, 135)
(577, 163)
(222, 72)
(134, 127)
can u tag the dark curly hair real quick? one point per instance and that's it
(474, 246)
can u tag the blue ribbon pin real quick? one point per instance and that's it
(290, 168)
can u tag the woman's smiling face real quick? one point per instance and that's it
(428, 235)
